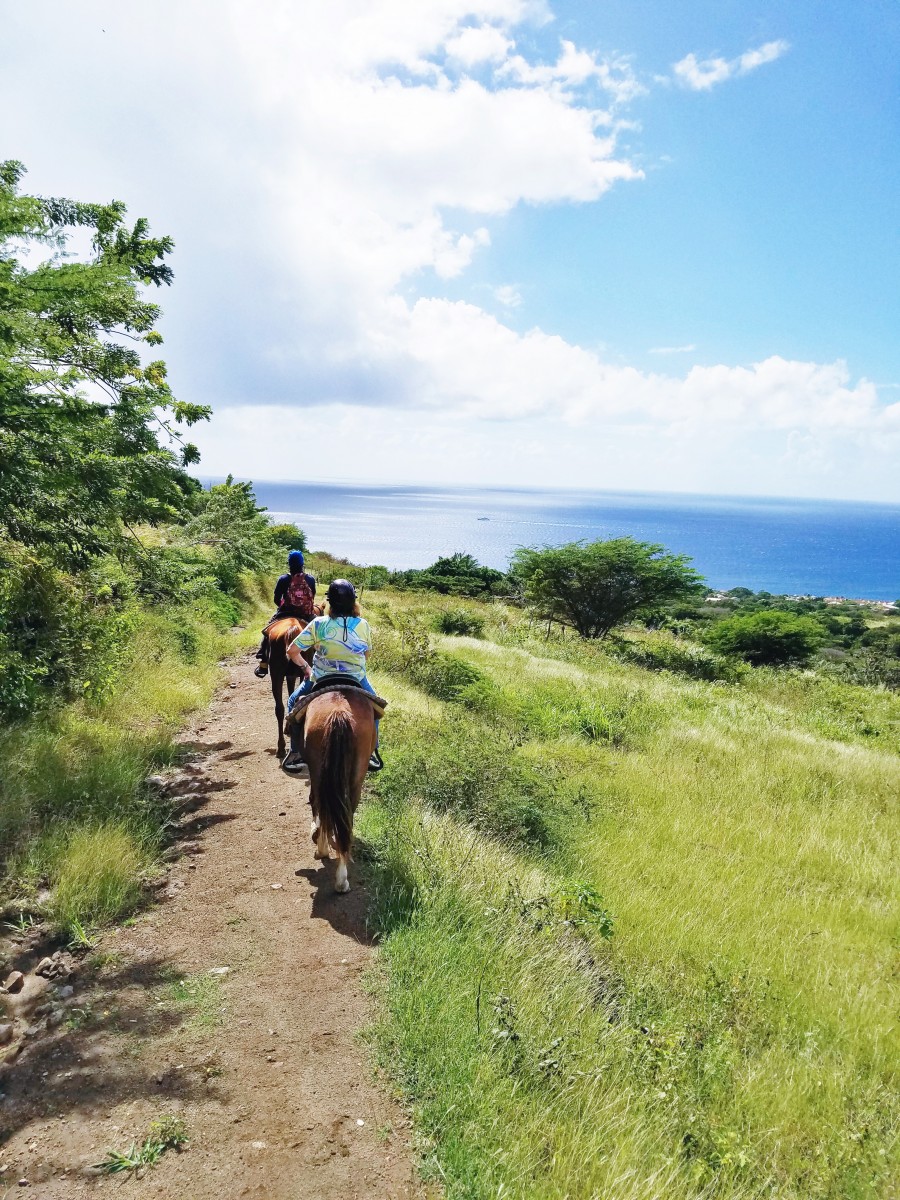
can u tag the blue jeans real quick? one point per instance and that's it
(306, 687)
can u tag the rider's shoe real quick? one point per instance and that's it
(262, 670)
(375, 763)
(293, 763)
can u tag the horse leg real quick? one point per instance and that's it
(341, 882)
(278, 694)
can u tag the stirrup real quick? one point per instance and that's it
(375, 762)
(294, 764)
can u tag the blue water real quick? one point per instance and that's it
(823, 548)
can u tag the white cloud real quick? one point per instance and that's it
(700, 76)
(316, 164)
(476, 44)
(508, 295)
(673, 349)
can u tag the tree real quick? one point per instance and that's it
(593, 587)
(456, 575)
(768, 638)
(81, 415)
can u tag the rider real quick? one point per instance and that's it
(342, 641)
(294, 595)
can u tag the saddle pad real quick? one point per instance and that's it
(337, 685)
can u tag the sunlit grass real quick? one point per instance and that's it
(738, 1035)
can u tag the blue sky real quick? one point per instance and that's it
(623, 244)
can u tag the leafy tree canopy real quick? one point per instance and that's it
(593, 587)
(458, 574)
(81, 413)
(768, 638)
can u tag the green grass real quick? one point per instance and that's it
(736, 1036)
(199, 997)
(75, 812)
(168, 1133)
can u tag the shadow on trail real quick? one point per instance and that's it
(92, 1061)
(349, 913)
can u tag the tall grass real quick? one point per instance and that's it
(737, 1036)
(76, 814)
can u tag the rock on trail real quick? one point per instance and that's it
(235, 1004)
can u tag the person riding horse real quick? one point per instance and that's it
(342, 641)
(294, 596)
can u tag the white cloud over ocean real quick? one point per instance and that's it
(337, 166)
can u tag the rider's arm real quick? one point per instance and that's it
(295, 654)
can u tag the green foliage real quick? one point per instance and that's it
(96, 876)
(747, 853)
(168, 1133)
(661, 652)
(289, 536)
(78, 466)
(470, 770)
(228, 520)
(459, 621)
(457, 575)
(407, 649)
(593, 587)
(769, 638)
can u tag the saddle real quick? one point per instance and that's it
(332, 683)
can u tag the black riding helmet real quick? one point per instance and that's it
(341, 596)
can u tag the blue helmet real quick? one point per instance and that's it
(295, 561)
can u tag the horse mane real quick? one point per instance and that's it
(335, 799)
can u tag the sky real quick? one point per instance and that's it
(611, 244)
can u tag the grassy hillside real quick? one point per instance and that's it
(639, 928)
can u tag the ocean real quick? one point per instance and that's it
(817, 547)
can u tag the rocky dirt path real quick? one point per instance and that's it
(235, 1004)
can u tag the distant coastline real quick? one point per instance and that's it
(796, 547)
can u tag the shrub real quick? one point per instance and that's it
(682, 658)
(459, 621)
(458, 575)
(768, 638)
(289, 536)
(471, 770)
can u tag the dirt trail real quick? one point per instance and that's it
(262, 1060)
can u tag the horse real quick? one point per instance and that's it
(339, 739)
(281, 632)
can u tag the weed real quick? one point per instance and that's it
(80, 937)
(168, 1133)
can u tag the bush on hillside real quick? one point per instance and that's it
(593, 587)
(458, 575)
(288, 536)
(459, 621)
(690, 659)
(768, 638)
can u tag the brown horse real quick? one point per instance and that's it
(339, 739)
(281, 632)
(281, 669)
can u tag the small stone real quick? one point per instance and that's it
(219, 970)
(6, 1034)
(34, 1030)
(360, 1121)
(65, 992)
(45, 967)
(277, 886)
(56, 1017)
(259, 1145)
(14, 982)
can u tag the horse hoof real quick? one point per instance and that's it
(342, 886)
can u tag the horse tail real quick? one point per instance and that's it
(335, 786)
